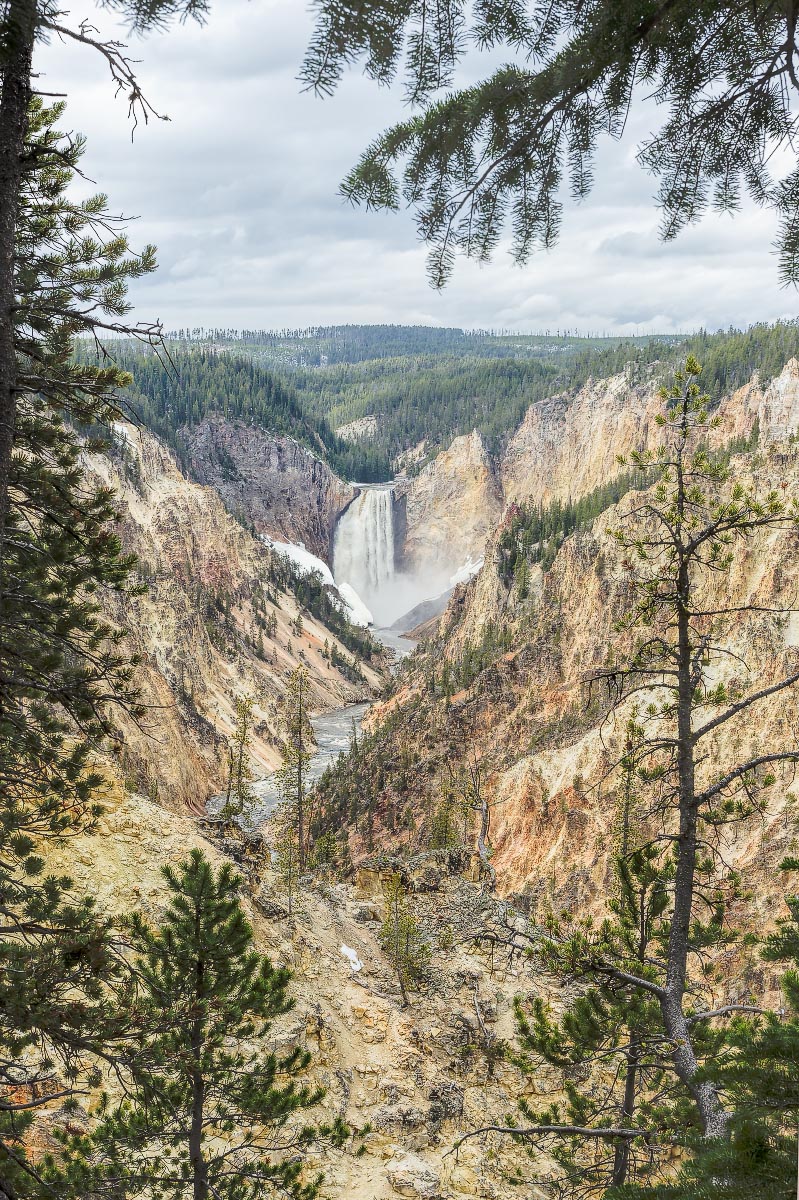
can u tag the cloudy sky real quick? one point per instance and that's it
(239, 192)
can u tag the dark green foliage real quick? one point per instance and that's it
(205, 996)
(62, 666)
(498, 152)
(151, 14)
(401, 937)
(608, 1049)
(758, 1072)
(431, 385)
(496, 639)
(314, 595)
(319, 346)
(170, 395)
(445, 826)
(534, 535)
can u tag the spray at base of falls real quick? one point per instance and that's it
(364, 562)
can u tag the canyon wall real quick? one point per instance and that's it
(450, 509)
(566, 446)
(270, 482)
(526, 714)
(197, 631)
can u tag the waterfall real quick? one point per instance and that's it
(363, 551)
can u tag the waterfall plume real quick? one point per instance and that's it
(363, 553)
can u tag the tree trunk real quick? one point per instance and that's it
(482, 842)
(621, 1157)
(714, 1119)
(197, 1165)
(199, 1168)
(300, 781)
(21, 23)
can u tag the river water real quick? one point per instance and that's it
(333, 733)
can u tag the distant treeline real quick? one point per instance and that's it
(326, 345)
(421, 384)
(433, 398)
(172, 393)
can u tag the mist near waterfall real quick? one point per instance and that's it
(363, 558)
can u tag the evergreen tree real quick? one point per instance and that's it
(207, 1115)
(22, 22)
(402, 940)
(678, 545)
(63, 667)
(287, 855)
(499, 150)
(444, 833)
(608, 1050)
(239, 796)
(757, 1070)
(292, 776)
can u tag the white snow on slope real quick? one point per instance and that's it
(352, 955)
(467, 571)
(308, 563)
(359, 614)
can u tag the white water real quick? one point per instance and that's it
(363, 551)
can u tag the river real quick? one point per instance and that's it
(332, 731)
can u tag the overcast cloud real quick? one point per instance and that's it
(239, 193)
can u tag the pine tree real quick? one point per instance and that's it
(239, 796)
(207, 1115)
(21, 23)
(63, 667)
(292, 776)
(498, 151)
(287, 855)
(757, 1070)
(402, 940)
(444, 832)
(678, 543)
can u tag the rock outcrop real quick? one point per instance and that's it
(270, 482)
(525, 714)
(450, 510)
(197, 628)
(420, 1076)
(567, 444)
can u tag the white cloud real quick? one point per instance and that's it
(239, 192)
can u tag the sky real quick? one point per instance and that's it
(239, 192)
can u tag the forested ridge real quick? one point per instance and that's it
(170, 392)
(420, 384)
(327, 345)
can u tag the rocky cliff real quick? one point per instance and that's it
(270, 482)
(200, 628)
(450, 509)
(419, 1076)
(566, 446)
(518, 704)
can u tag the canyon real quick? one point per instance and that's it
(208, 536)
(196, 629)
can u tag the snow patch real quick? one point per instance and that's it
(307, 563)
(347, 598)
(352, 955)
(357, 611)
(466, 572)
